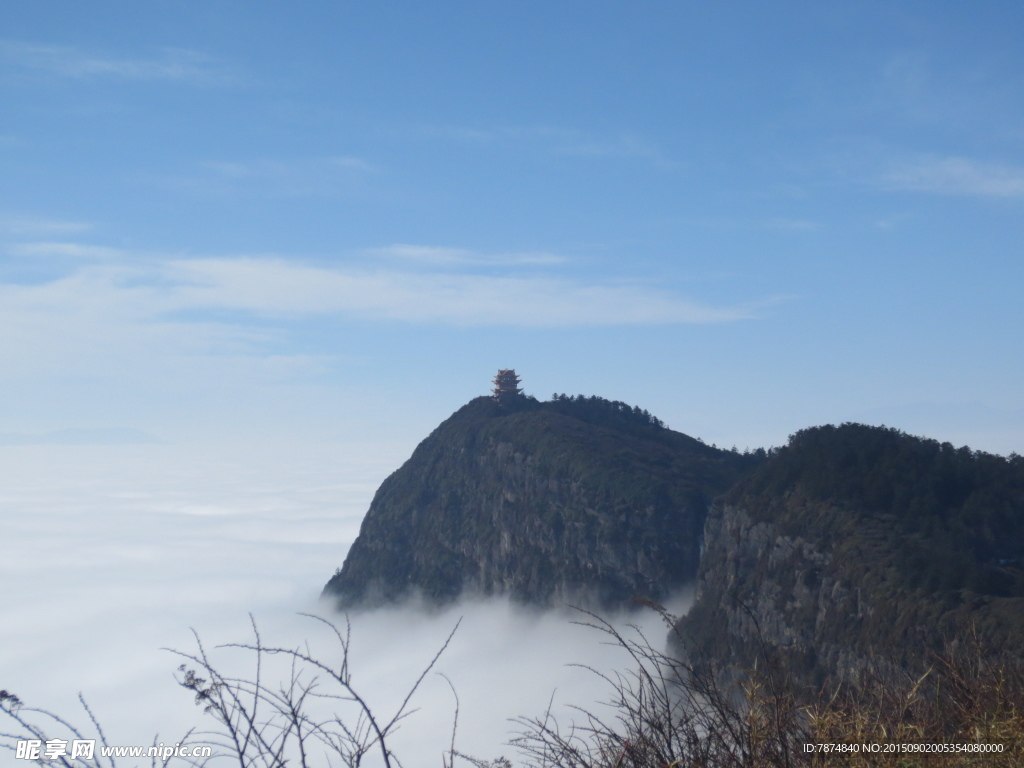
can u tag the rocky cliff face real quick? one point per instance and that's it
(856, 545)
(760, 590)
(545, 502)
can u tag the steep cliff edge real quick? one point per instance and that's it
(858, 543)
(573, 499)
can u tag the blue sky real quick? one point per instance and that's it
(329, 221)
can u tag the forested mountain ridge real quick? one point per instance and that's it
(576, 498)
(855, 543)
(849, 544)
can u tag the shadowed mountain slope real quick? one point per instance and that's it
(855, 543)
(573, 499)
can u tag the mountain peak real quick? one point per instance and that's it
(577, 499)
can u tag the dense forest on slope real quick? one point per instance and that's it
(575, 498)
(955, 516)
(853, 541)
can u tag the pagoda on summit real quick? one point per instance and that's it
(506, 386)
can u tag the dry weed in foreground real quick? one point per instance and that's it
(662, 713)
(313, 717)
(964, 702)
(665, 713)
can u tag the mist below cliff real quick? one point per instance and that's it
(504, 662)
(115, 552)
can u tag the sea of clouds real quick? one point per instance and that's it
(114, 553)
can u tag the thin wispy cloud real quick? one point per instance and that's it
(350, 162)
(491, 134)
(133, 302)
(908, 87)
(781, 223)
(65, 250)
(24, 225)
(283, 169)
(295, 177)
(105, 317)
(957, 176)
(279, 287)
(427, 254)
(960, 95)
(621, 147)
(171, 64)
(792, 225)
(893, 221)
(555, 139)
(98, 436)
(180, 321)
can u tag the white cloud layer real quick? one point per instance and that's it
(116, 551)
